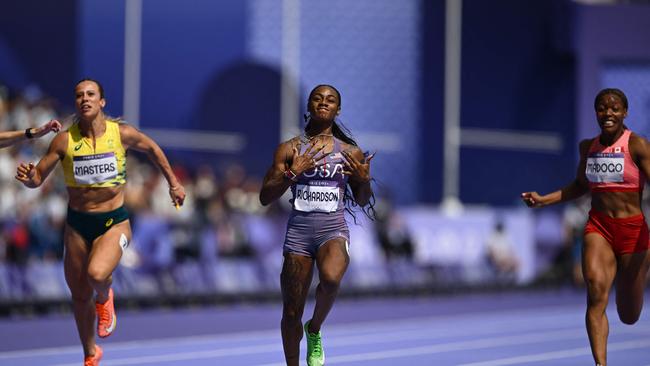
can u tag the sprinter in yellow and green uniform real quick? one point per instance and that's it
(95, 165)
(93, 156)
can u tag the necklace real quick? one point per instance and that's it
(320, 134)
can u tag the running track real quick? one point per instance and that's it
(524, 328)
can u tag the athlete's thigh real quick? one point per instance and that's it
(631, 278)
(333, 258)
(598, 261)
(75, 259)
(108, 248)
(297, 271)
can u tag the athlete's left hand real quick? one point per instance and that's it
(358, 170)
(177, 193)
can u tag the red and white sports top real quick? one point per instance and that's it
(611, 168)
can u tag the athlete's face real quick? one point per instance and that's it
(610, 113)
(88, 99)
(324, 104)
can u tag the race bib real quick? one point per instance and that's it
(311, 198)
(605, 167)
(92, 169)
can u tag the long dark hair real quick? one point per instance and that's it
(343, 133)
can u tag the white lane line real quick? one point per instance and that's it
(274, 336)
(491, 342)
(128, 345)
(374, 327)
(475, 345)
(185, 356)
(555, 355)
(423, 333)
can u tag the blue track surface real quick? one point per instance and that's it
(543, 328)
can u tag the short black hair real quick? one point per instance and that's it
(618, 92)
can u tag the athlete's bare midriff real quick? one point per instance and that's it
(617, 204)
(96, 199)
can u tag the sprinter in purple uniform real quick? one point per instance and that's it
(319, 166)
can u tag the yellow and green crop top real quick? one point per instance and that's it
(102, 166)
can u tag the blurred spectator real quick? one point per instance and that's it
(46, 227)
(392, 233)
(230, 236)
(206, 188)
(152, 241)
(500, 253)
(565, 263)
(16, 238)
(569, 261)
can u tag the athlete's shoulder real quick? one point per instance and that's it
(72, 128)
(60, 142)
(125, 128)
(119, 122)
(349, 147)
(638, 143)
(636, 138)
(285, 149)
(585, 145)
(295, 141)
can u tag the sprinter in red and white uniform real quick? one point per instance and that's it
(613, 166)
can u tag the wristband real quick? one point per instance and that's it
(289, 174)
(28, 133)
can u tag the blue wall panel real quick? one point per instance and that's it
(186, 45)
(38, 45)
(634, 79)
(101, 48)
(518, 76)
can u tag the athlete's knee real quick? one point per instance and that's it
(98, 274)
(330, 284)
(292, 314)
(628, 311)
(291, 319)
(80, 289)
(597, 290)
(81, 295)
(628, 317)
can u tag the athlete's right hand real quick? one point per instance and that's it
(25, 173)
(177, 194)
(532, 199)
(307, 160)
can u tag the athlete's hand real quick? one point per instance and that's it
(25, 173)
(177, 193)
(53, 125)
(532, 199)
(307, 160)
(356, 169)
